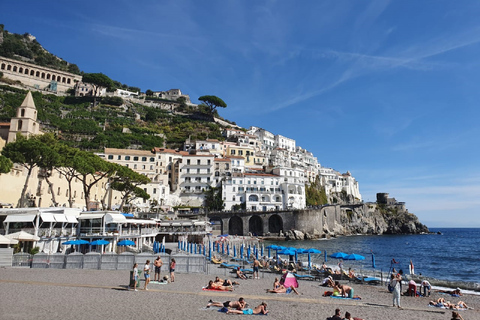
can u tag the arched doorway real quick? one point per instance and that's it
(275, 224)
(235, 226)
(255, 226)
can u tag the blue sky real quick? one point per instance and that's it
(388, 90)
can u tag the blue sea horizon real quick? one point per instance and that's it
(451, 256)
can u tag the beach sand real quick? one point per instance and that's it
(101, 294)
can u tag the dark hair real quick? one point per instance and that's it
(337, 311)
(347, 314)
(240, 299)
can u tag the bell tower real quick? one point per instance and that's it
(26, 120)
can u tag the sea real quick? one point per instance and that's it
(448, 257)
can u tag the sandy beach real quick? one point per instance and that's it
(100, 294)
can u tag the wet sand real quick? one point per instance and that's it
(101, 294)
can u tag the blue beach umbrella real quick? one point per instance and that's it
(287, 252)
(354, 256)
(69, 242)
(126, 243)
(338, 255)
(310, 251)
(99, 242)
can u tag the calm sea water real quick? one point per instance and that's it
(453, 255)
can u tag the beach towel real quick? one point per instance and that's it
(226, 309)
(213, 289)
(340, 297)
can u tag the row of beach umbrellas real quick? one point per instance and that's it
(98, 242)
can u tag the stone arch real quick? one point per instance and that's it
(37, 74)
(48, 76)
(14, 69)
(255, 226)
(43, 75)
(20, 70)
(275, 224)
(53, 77)
(63, 80)
(278, 198)
(3, 66)
(235, 226)
(69, 81)
(26, 71)
(253, 197)
(9, 67)
(32, 72)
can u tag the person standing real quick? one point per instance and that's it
(135, 276)
(146, 273)
(172, 270)
(395, 284)
(158, 266)
(256, 265)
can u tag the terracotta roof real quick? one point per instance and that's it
(221, 160)
(5, 124)
(128, 152)
(164, 150)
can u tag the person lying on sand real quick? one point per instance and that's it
(451, 292)
(239, 305)
(225, 282)
(283, 289)
(216, 286)
(456, 316)
(260, 309)
(348, 316)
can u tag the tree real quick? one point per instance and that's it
(127, 181)
(213, 199)
(5, 164)
(66, 166)
(90, 169)
(97, 80)
(149, 93)
(213, 102)
(27, 152)
(49, 160)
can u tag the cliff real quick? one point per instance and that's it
(343, 220)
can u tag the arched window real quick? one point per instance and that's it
(37, 74)
(9, 67)
(20, 70)
(22, 113)
(48, 76)
(32, 73)
(26, 71)
(43, 75)
(53, 77)
(63, 79)
(3, 66)
(14, 68)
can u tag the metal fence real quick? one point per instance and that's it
(185, 263)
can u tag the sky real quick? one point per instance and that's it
(388, 90)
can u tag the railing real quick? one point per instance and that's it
(124, 261)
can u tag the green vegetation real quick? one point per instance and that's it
(315, 193)
(21, 47)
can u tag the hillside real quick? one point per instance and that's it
(113, 123)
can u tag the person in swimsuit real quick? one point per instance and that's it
(240, 274)
(218, 286)
(239, 305)
(172, 270)
(346, 291)
(260, 309)
(276, 284)
(256, 265)
(283, 289)
(158, 266)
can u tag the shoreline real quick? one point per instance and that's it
(83, 294)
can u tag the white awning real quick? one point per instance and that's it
(176, 224)
(200, 223)
(139, 221)
(47, 217)
(89, 216)
(164, 224)
(20, 218)
(71, 219)
(60, 218)
(115, 218)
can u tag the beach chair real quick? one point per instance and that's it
(304, 276)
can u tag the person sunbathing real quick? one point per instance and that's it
(239, 305)
(216, 286)
(327, 282)
(451, 292)
(283, 289)
(348, 316)
(276, 284)
(226, 282)
(240, 274)
(456, 316)
(260, 309)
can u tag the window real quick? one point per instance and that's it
(240, 152)
(110, 157)
(135, 158)
(233, 189)
(232, 152)
(198, 161)
(152, 159)
(144, 158)
(134, 166)
(188, 161)
(208, 162)
(127, 157)
(119, 157)
(198, 170)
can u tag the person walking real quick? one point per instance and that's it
(146, 273)
(395, 284)
(135, 276)
(172, 270)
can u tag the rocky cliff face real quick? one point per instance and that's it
(366, 219)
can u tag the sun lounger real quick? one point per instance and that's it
(304, 276)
